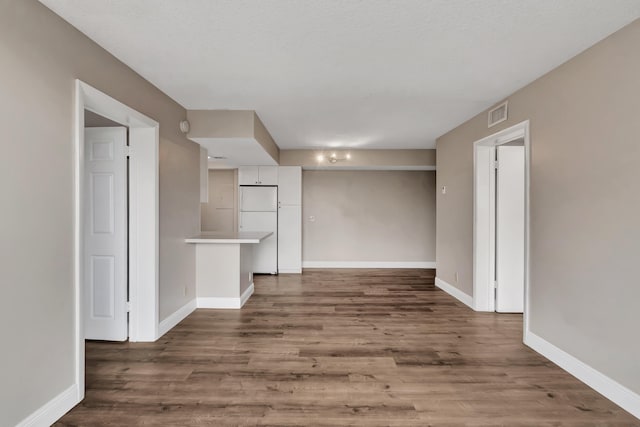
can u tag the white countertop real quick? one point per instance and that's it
(225, 237)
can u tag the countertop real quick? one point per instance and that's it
(225, 237)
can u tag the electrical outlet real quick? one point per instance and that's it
(312, 218)
(184, 291)
(456, 277)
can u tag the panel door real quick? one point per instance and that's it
(290, 185)
(248, 175)
(105, 234)
(268, 175)
(290, 239)
(510, 229)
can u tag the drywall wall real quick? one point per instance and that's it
(585, 204)
(230, 124)
(93, 120)
(263, 136)
(42, 56)
(179, 218)
(380, 159)
(376, 216)
(221, 212)
(221, 123)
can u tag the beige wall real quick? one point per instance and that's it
(179, 218)
(263, 136)
(221, 212)
(585, 204)
(368, 216)
(93, 120)
(360, 158)
(41, 56)
(227, 124)
(221, 123)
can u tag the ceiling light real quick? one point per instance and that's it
(319, 157)
(333, 158)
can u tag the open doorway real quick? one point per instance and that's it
(133, 256)
(501, 218)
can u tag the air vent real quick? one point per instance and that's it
(498, 114)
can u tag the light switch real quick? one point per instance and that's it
(312, 218)
(444, 189)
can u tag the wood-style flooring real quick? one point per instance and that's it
(332, 348)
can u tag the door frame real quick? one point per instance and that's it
(143, 237)
(484, 216)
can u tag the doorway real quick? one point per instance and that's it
(501, 221)
(140, 251)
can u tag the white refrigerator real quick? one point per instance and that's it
(259, 212)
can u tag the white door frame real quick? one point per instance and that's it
(143, 216)
(484, 212)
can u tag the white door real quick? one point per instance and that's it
(265, 253)
(289, 239)
(510, 229)
(105, 234)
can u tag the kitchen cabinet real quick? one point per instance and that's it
(290, 219)
(290, 185)
(290, 239)
(258, 175)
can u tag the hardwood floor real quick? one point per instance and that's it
(342, 347)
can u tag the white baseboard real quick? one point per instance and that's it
(368, 264)
(609, 388)
(53, 410)
(226, 303)
(290, 270)
(246, 294)
(176, 317)
(455, 292)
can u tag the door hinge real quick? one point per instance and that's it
(128, 306)
(495, 165)
(128, 151)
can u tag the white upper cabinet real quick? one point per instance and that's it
(258, 175)
(268, 175)
(290, 185)
(248, 175)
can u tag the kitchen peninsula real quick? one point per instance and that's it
(224, 276)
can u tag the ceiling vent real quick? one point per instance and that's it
(498, 114)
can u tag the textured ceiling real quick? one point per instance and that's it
(353, 73)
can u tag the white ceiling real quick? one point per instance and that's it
(352, 73)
